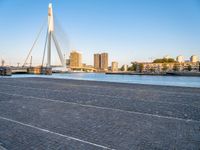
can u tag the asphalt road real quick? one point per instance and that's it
(39, 113)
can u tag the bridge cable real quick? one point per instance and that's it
(45, 46)
(38, 35)
(61, 35)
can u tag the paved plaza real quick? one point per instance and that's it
(44, 113)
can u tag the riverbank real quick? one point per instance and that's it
(59, 113)
(188, 74)
(135, 73)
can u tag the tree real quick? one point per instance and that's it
(132, 67)
(171, 60)
(164, 60)
(175, 67)
(199, 66)
(158, 61)
(165, 67)
(189, 68)
(122, 68)
(141, 67)
(152, 70)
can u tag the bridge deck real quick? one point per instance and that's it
(18, 71)
(37, 113)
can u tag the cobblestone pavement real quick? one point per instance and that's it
(39, 113)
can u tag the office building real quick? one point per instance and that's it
(180, 59)
(97, 61)
(101, 61)
(114, 66)
(75, 59)
(194, 59)
(104, 61)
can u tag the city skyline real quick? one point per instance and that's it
(130, 31)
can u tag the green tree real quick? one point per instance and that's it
(141, 67)
(122, 68)
(199, 66)
(175, 67)
(171, 60)
(158, 61)
(165, 67)
(164, 60)
(132, 67)
(189, 68)
(152, 70)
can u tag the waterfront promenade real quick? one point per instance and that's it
(41, 113)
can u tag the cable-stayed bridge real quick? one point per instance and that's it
(51, 39)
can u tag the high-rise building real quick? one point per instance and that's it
(114, 66)
(180, 59)
(104, 61)
(101, 61)
(194, 58)
(75, 59)
(97, 61)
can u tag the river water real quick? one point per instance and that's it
(139, 79)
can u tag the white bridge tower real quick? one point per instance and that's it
(52, 37)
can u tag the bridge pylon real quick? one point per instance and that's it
(52, 37)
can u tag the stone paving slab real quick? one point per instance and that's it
(102, 119)
(181, 106)
(18, 137)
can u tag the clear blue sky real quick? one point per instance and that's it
(129, 30)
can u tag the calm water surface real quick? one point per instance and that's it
(154, 80)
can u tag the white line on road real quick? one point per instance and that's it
(55, 133)
(121, 88)
(104, 108)
(92, 94)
